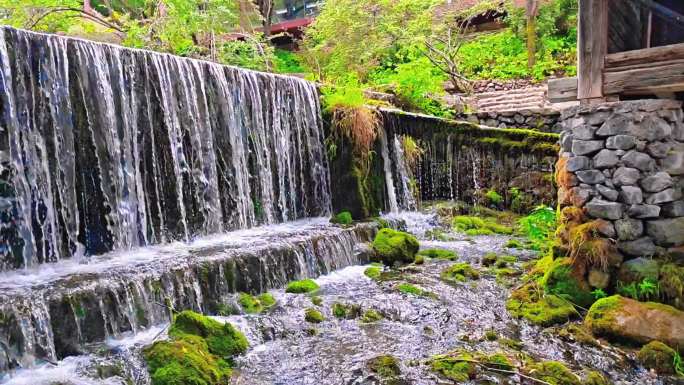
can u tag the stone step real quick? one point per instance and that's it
(540, 90)
(520, 100)
(512, 107)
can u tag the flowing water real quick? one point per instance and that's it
(286, 350)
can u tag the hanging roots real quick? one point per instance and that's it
(588, 248)
(359, 124)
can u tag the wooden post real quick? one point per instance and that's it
(592, 47)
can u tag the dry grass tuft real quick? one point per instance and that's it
(412, 151)
(359, 124)
(588, 248)
(564, 178)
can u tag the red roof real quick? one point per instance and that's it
(291, 25)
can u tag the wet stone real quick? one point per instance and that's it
(598, 208)
(652, 128)
(621, 142)
(607, 192)
(644, 211)
(673, 164)
(586, 147)
(566, 142)
(639, 247)
(638, 160)
(674, 209)
(629, 229)
(584, 132)
(577, 163)
(665, 196)
(667, 232)
(616, 124)
(631, 195)
(659, 149)
(605, 159)
(657, 182)
(590, 176)
(625, 176)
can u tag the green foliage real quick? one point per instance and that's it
(659, 357)
(254, 53)
(645, 290)
(539, 226)
(554, 373)
(348, 93)
(410, 289)
(599, 293)
(342, 218)
(287, 62)
(393, 246)
(678, 364)
(373, 272)
(371, 316)
(472, 225)
(313, 316)
(303, 286)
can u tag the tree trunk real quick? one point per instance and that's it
(266, 11)
(531, 11)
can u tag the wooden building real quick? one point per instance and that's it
(626, 49)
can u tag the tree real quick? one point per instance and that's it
(531, 13)
(266, 11)
(443, 50)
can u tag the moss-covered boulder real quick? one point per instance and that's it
(222, 339)
(342, 218)
(553, 372)
(560, 281)
(458, 367)
(392, 246)
(596, 378)
(658, 356)
(313, 316)
(459, 272)
(185, 361)
(531, 303)
(253, 305)
(472, 225)
(385, 366)
(628, 321)
(302, 287)
(438, 254)
(371, 316)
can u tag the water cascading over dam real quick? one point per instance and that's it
(106, 148)
(135, 182)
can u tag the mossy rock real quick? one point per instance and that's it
(342, 218)
(459, 272)
(346, 311)
(530, 303)
(253, 305)
(472, 225)
(578, 333)
(316, 300)
(313, 316)
(553, 372)
(631, 322)
(457, 367)
(302, 287)
(392, 247)
(222, 339)
(514, 244)
(658, 356)
(385, 366)
(419, 260)
(489, 259)
(595, 378)
(411, 289)
(371, 316)
(186, 360)
(560, 281)
(373, 272)
(439, 254)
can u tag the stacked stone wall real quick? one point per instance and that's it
(623, 164)
(540, 119)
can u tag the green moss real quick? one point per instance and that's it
(514, 244)
(314, 316)
(671, 284)
(596, 378)
(553, 372)
(512, 344)
(316, 300)
(419, 260)
(410, 289)
(529, 302)
(658, 356)
(303, 286)
(472, 225)
(560, 281)
(600, 318)
(489, 259)
(578, 333)
(185, 361)
(254, 305)
(490, 335)
(456, 367)
(341, 310)
(382, 223)
(385, 366)
(370, 316)
(222, 339)
(373, 272)
(342, 218)
(459, 272)
(493, 197)
(438, 254)
(498, 361)
(393, 246)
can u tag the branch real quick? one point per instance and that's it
(80, 12)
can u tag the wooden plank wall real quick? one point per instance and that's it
(592, 47)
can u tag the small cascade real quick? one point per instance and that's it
(387, 167)
(408, 201)
(56, 311)
(106, 148)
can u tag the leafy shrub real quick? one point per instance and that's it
(539, 226)
(342, 218)
(493, 197)
(287, 62)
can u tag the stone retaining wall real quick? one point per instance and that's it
(542, 119)
(623, 163)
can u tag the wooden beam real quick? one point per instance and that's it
(592, 46)
(645, 56)
(657, 78)
(562, 90)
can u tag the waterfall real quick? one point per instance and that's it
(408, 202)
(106, 148)
(387, 168)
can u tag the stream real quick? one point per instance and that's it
(287, 350)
